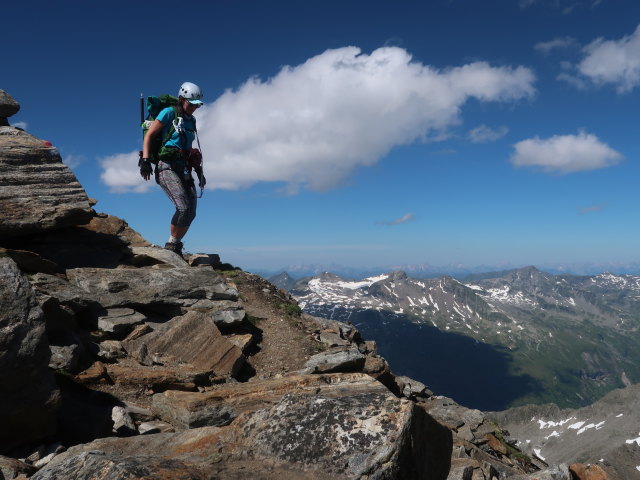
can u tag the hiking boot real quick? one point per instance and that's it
(174, 247)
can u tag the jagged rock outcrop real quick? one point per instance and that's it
(37, 191)
(28, 394)
(8, 107)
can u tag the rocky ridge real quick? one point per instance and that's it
(120, 360)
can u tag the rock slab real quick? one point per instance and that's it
(37, 191)
(338, 433)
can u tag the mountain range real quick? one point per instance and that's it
(494, 340)
(456, 270)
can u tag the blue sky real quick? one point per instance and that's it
(357, 133)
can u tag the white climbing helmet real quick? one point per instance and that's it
(191, 91)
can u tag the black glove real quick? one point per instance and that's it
(145, 168)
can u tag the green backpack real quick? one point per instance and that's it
(154, 106)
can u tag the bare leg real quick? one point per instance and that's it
(178, 232)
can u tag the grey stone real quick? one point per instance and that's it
(65, 357)
(228, 318)
(202, 260)
(412, 388)
(120, 320)
(122, 423)
(463, 469)
(465, 433)
(8, 105)
(448, 412)
(343, 360)
(28, 394)
(332, 339)
(138, 413)
(145, 256)
(111, 350)
(47, 454)
(37, 191)
(155, 427)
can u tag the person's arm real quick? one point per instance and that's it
(145, 165)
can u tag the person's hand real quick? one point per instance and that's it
(145, 168)
(202, 181)
(194, 158)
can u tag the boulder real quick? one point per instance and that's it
(192, 339)
(155, 427)
(336, 360)
(8, 107)
(332, 339)
(120, 320)
(65, 357)
(146, 256)
(228, 318)
(204, 260)
(338, 433)
(412, 388)
(111, 350)
(448, 412)
(122, 422)
(37, 191)
(28, 393)
(151, 287)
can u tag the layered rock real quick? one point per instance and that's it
(37, 191)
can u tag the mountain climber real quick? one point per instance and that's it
(176, 158)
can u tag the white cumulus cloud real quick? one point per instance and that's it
(615, 62)
(312, 124)
(565, 153)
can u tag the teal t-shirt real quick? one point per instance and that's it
(166, 117)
